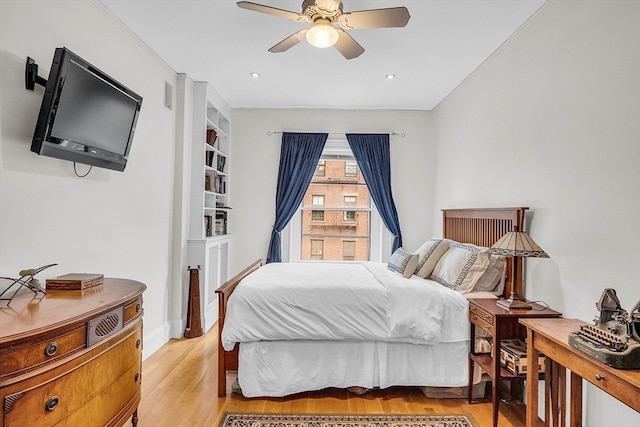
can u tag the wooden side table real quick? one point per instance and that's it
(551, 337)
(500, 324)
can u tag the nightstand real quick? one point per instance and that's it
(500, 324)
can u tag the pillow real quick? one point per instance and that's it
(493, 279)
(403, 262)
(428, 255)
(460, 267)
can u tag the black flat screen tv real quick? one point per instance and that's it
(86, 116)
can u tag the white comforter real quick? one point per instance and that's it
(358, 302)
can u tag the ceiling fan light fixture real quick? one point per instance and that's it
(328, 5)
(322, 34)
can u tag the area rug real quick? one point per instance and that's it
(325, 420)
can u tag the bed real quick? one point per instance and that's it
(283, 329)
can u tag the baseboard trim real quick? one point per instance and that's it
(155, 339)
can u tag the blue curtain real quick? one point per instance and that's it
(371, 152)
(299, 157)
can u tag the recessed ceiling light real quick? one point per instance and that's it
(254, 74)
(390, 76)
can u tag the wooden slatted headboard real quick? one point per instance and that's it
(483, 227)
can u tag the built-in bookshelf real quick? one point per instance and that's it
(210, 182)
(210, 206)
(216, 178)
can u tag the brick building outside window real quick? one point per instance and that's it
(336, 213)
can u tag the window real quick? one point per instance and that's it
(320, 169)
(326, 222)
(317, 249)
(336, 209)
(350, 169)
(349, 216)
(348, 250)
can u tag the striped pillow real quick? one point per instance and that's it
(428, 255)
(460, 267)
(403, 263)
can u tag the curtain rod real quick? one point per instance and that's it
(334, 134)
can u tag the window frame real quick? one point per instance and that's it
(349, 166)
(317, 212)
(311, 242)
(380, 239)
(320, 168)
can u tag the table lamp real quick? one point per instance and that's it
(516, 244)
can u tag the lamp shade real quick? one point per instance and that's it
(517, 244)
(322, 34)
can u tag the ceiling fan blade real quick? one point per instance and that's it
(272, 11)
(347, 46)
(375, 18)
(289, 42)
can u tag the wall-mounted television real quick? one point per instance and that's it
(86, 116)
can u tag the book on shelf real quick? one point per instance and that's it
(209, 158)
(212, 136)
(208, 225)
(221, 161)
(219, 185)
(207, 183)
(221, 223)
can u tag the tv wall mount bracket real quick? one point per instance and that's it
(31, 77)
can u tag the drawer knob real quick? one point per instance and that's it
(138, 342)
(138, 307)
(599, 377)
(51, 404)
(51, 349)
(136, 377)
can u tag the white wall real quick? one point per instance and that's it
(254, 166)
(118, 224)
(552, 121)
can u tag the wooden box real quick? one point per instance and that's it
(513, 357)
(75, 281)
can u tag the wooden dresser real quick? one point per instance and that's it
(72, 358)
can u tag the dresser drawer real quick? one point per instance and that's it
(132, 310)
(87, 395)
(24, 358)
(481, 318)
(601, 376)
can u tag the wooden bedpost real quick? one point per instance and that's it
(228, 360)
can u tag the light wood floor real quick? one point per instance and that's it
(179, 389)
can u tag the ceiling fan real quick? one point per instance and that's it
(329, 22)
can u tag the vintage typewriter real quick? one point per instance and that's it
(615, 338)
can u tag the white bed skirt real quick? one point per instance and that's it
(280, 368)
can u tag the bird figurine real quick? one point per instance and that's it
(27, 280)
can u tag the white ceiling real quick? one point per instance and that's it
(218, 42)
